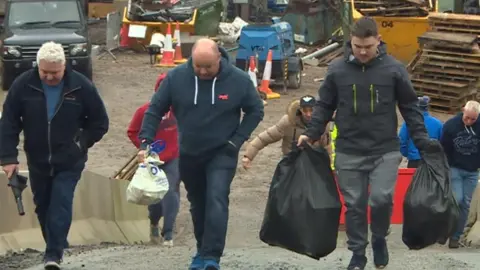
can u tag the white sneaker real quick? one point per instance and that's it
(168, 243)
(51, 265)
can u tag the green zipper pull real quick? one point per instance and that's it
(354, 87)
(372, 99)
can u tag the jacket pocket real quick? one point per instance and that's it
(348, 93)
(382, 96)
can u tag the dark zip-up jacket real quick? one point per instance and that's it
(80, 120)
(208, 111)
(365, 97)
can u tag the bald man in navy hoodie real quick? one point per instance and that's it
(207, 95)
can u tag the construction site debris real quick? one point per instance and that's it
(394, 8)
(326, 59)
(447, 66)
(230, 32)
(167, 11)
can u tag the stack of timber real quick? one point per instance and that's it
(394, 8)
(447, 66)
(127, 170)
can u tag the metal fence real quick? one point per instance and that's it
(114, 24)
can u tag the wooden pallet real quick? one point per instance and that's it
(447, 69)
(442, 40)
(454, 23)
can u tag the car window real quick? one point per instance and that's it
(52, 11)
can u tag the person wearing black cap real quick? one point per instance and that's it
(434, 129)
(287, 129)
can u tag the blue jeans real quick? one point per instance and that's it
(53, 198)
(463, 185)
(168, 207)
(207, 179)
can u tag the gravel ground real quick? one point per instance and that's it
(128, 83)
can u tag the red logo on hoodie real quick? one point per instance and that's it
(223, 97)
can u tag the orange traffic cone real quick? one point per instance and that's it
(267, 73)
(124, 39)
(178, 48)
(168, 52)
(252, 72)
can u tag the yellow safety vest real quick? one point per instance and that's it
(333, 136)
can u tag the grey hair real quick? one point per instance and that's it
(472, 106)
(51, 52)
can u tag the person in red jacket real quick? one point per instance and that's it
(168, 207)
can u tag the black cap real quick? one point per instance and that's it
(307, 101)
(423, 102)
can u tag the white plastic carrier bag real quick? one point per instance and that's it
(149, 183)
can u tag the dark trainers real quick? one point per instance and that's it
(380, 253)
(155, 237)
(52, 265)
(197, 263)
(358, 262)
(211, 265)
(453, 243)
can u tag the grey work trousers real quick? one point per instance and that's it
(355, 174)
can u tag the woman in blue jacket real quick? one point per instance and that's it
(434, 129)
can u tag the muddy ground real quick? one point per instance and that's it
(127, 84)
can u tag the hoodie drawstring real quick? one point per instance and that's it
(196, 90)
(470, 131)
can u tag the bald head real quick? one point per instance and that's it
(206, 58)
(205, 46)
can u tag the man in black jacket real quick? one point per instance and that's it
(61, 115)
(365, 88)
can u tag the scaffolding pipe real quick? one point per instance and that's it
(322, 51)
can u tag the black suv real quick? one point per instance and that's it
(30, 23)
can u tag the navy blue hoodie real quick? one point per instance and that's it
(461, 143)
(208, 111)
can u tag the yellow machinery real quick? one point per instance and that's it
(160, 27)
(400, 33)
(195, 17)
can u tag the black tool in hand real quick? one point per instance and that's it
(18, 183)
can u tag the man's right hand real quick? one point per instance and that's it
(246, 163)
(302, 139)
(141, 156)
(10, 169)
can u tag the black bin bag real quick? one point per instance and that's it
(303, 208)
(430, 211)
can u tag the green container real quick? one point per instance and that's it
(208, 18)
(312, 25)
(446, 5)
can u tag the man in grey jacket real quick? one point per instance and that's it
(364, 89)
